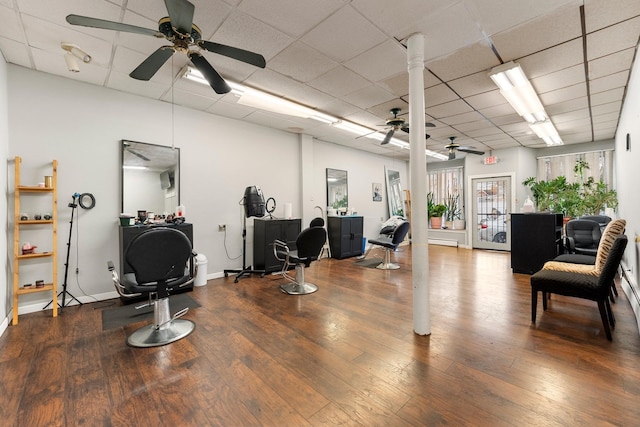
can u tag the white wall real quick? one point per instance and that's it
(81, 126)
(626, 172)
(5, 272)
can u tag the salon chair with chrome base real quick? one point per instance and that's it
(162, 260)
(309, 245)
(390, 243)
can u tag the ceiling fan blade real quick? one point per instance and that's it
(234, 52)
(470, 150)
(152, 64)
(405, 128)
(215, 80)
(86, 21)
(180, 14)
(387, 137)
(429, 125)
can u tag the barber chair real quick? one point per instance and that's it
(603, 220)
(586, 286)
(162, 261)
(390, 243)
(582, 237)
(309, 244)
(317, 222)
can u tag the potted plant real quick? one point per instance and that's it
(452, 211)
(435, 213)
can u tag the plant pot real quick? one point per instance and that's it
(458, 224)
(448, 225)
(436, 222)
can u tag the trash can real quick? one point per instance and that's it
(364, 244)
(201, 275)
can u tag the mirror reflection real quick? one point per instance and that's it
(150, 178)
(337, 199)
(394, 193)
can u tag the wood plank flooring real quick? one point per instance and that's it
(346, 355)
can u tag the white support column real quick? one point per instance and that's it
(418, 169)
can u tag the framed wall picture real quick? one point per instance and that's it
(377, 192)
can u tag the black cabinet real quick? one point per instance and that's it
(535, 239)
(345, 236)
(265, 231)
(128, 233)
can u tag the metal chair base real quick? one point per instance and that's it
(388, 266)
(150, 336)
(164, 329)
(298, 288)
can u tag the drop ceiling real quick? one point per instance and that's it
(348, 59)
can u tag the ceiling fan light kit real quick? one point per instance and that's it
(517, 90)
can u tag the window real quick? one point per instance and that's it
(444, 182)
(600, 166)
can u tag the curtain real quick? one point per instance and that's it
(600, 166)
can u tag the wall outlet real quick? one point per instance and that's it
(222, 227)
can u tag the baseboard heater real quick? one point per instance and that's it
(443, 242)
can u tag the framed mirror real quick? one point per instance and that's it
(337, 198)
(150, 178)
(394, 193)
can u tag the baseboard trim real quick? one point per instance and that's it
(443, 242)
(632, 291)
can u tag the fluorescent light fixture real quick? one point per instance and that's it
(547, 132)
(140, 168)
(264, 101)
(517, 90)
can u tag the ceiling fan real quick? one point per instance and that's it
(398, 123)
(179, 29)
(453, 147)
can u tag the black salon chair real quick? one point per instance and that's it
(587, 286)
(582, 237)
(390, 243)
(309, 244)
(603, 220)
(317, 222)
(162, 261)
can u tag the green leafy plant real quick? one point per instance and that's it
(437, 210)
(452, 209)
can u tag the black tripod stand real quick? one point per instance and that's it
(73, 205)
(246, 270)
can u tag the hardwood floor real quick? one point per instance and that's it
(346, 355)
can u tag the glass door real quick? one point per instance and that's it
(490, 213)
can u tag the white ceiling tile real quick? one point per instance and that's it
(245, 32)
(368, 96)
(612, 107)
(571, 116)
(487, 99)
(292, 17)
(15, 52)
(138, 42)
(449, 109)
(606, 126)
(381, 62)
(277, 84)
(399, 85)
(536, 35)
(497, 111)
(564, 94)
(607, 96)
(567, 106)
(339, 81)
(507, 119)
(11, 27)
(465, 61)
(124, 83)
(606, 117)
(553, 59)
(57, 11)
(559, 79)
(611, 39)
(301, 62)
(344, 35)
(473, 84)
(609, 82)
(600, 14)
(188, 99)
(466, 117)
(475, 125)
(437, 95)
(611, 64)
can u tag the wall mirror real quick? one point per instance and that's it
(337, 190)
(394, 193)
(150, 178)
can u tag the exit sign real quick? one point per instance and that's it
(490, 160)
